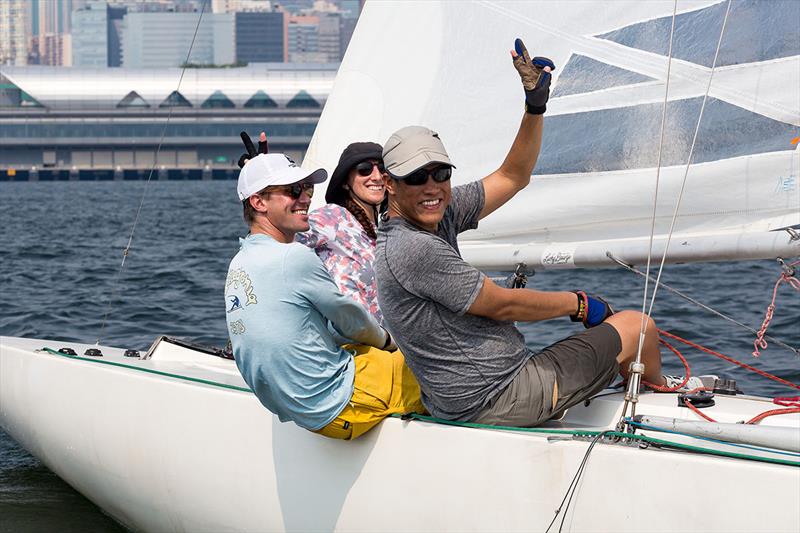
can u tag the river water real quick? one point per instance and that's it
(61, 245)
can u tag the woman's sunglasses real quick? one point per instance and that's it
(365, 168)
(439, 174)
(294, 191)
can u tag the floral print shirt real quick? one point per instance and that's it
(347, 252)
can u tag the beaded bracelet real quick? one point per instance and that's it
(583, 306)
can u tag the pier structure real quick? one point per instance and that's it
(70, 123)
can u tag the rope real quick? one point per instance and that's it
(688, 298)
(730, 360)
(762, 416)
(148, 371)
(788, 276)
(710, 439)
(115, 286)
(686, 374)
(794, 401)
(621, 435)
(697, 411)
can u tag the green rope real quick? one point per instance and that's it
(585, 433)
(571, 432)
(149, 371)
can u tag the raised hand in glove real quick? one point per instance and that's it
(592, 310)
(535, 74)
(263, 147)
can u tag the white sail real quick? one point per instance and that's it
(595, 180)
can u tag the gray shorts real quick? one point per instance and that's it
(583, 365)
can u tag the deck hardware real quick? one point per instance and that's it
(67, 351)
(727, 387)
(698, 399)
(131, 353)
(519, 278)
(93, 352)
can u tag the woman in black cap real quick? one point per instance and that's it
(343, 232)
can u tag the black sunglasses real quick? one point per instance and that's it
(439, 174)
(294, 191)
(365, 168)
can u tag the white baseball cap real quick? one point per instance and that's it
(273, 169)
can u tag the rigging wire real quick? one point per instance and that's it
(698, 303)
(691, 154)
(645, 313)
(636, 367)
(574, 485)
(126, 250)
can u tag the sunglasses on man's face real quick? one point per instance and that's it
(294, 191)
(439, 174)
(365, 168)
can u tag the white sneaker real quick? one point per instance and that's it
(694, 382)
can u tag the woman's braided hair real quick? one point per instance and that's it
(358, 212)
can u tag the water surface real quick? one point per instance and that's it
(61, 247)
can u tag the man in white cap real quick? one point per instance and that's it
(279, 303)
(454, 325)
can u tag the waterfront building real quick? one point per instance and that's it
(155, 40)
(81, 123)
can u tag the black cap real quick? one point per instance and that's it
(351, 156)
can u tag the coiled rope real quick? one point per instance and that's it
(788, 276)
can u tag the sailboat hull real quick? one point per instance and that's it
(161, 453)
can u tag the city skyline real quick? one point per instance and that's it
(118, 33)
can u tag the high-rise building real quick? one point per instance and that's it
(240, 6)
(346, 29)
(90, 36)
(116, 15)
(13, 34)
(261, 37)
(328, 43)
(49, 24)
(303, 39)
(152, 40)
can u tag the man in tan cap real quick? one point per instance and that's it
(453, 324)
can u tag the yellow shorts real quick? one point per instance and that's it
(383, 386)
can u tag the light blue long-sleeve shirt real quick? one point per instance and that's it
(279, 299)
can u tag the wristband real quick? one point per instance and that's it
(583, 307)
(535, 110)
(388, 340)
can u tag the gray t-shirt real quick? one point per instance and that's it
(461, 361)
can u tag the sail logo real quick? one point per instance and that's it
(785, 184)
(557, 258)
